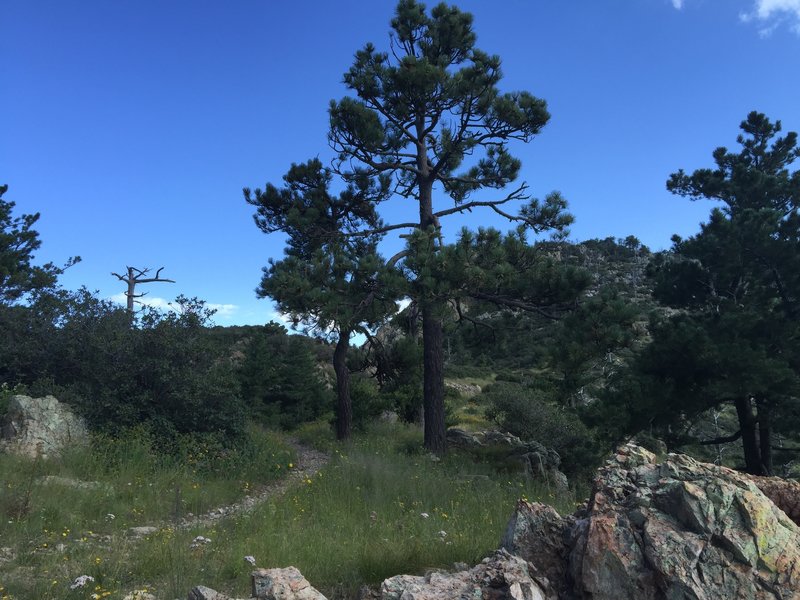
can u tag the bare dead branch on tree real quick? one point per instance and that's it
(135, 276)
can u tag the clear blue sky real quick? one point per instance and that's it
(133, 126)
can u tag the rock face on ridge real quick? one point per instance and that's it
(679, 529)
(39, 426)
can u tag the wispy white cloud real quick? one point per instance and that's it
(224, 311)
(771, 14)
(280, 317)
(767, 14)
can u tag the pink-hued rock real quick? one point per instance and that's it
(655, 531)
(283, 584)
(784, 493)
(501, 576)
(681, 529)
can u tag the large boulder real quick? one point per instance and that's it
(539, 535)
(499, 577)
(39, 427)
(681, 529)
(785, 493)
(656, 531)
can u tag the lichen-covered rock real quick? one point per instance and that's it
(39, 427)
(681, 529)
(201, 592)
(784, 493)
(499, 577)
(283, 584)
(539, 535)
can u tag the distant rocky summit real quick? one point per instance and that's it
(39, 427)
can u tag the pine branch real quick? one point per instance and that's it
(722, 440)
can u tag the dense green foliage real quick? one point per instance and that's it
(527, 413)
(158, 370)
(736, 284)
(332, 280)
(281, 382)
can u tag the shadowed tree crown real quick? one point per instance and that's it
(736, 338)
(430, 111)
(18, 243)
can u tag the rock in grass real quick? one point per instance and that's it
(201, 592)
(140, 595)
(40, 427)
(501, 575)
(283, 584)
(142, 531)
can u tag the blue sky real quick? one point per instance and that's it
(133, 126)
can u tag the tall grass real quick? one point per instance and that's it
(69, 516)
(379, 508)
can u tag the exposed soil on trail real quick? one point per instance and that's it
(307, 463)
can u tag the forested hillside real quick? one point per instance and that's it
(578, 344)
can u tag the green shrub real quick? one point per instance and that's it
(368, 403)
(119, 371)
(280, 380)
(527, 414)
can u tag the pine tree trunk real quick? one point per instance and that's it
(750, 446)
(432, 333)
(765, 436)
(344, 406)
(433, 381)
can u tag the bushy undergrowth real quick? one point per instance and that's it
(526, 413)
(119, 371)
(280, 380)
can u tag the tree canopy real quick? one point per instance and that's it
(331, 282)
(736, 284)
(18, 243)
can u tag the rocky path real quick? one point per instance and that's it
(308, 461)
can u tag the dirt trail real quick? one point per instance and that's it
(307, 463)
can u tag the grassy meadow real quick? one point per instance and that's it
(380, 507)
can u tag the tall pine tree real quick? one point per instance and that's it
(737, 282)
(429, 113)
(331, 282)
